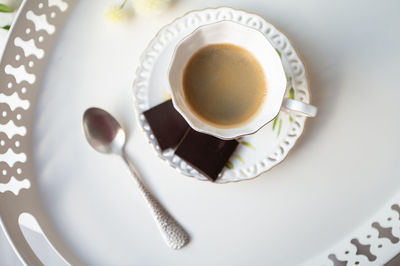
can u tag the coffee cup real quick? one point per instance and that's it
(253, 41)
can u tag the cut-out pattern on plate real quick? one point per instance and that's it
(374, 243)
(22, 64)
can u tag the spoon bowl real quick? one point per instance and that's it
(102, 131)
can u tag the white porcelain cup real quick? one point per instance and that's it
(257, 44)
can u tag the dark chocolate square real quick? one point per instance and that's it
(206, 153)
(167, 124)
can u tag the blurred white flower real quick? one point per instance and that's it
(150, 7)
(115, 14)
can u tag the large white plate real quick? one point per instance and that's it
(339, 185)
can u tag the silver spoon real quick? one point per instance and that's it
(106, 135)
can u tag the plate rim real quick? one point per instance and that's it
(383, 212)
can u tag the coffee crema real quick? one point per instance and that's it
(224, 85)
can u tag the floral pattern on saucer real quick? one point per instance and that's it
(256, 153)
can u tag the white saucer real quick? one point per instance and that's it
(256, 153)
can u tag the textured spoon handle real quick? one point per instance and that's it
(171, 230)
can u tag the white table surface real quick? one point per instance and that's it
(351, 51)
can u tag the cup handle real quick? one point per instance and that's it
(300, 107)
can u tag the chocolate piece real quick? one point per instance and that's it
(167, 124)
(206, 153)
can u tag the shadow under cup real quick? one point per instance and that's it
(228, 32)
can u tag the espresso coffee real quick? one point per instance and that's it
(224, 85)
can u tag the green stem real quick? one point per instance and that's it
(275, 120)
(229, 165)
(239, 158)
(279, 53)
(248, 144)
(291, 93)
(122, 5)
(5, 9)
(280, 127)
